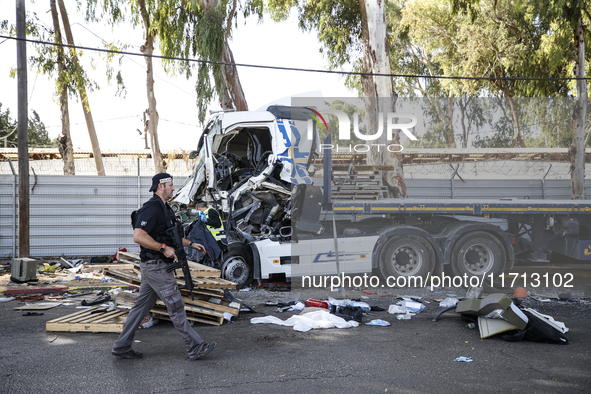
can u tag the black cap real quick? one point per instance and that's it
(157, 179)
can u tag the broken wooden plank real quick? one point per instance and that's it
(206, 292)
(128, 256)
(128, 277)
(36, 307)
(196, 310)
(37, 290)
(207, 319)
(214, 283)
(204, 302)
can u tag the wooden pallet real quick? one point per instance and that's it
(85, 321)
(197, 269)
(210, 283)
(195, 314)
(214, 303)
(205, 292)
(128, 277)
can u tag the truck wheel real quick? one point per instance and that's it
(406, 255)
(478, 253)
(237, 269)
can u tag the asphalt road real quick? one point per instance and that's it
(410, 356)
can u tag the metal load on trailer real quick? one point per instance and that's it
(258, 170)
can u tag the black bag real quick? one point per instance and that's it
(537, 331)
(347, 312)
(134, 216)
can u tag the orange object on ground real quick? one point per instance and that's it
(520, 292)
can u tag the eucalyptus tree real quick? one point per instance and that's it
(562, 50)
(354, 33)
(184, 29)
(70, 77)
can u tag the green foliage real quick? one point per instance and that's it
(45, 59)
(186, 29)
(37, 132)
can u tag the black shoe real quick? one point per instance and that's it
(128, 354)
(207, 348)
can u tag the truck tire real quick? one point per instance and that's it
(478, 253)
(238, 269)
(406, 255)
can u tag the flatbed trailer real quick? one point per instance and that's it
(421, 237)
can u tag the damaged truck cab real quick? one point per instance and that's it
(249, 166)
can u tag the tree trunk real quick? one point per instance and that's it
(517, 137)
(577, 148)
(230, 90)
(379, 90)
(232, 81)
(148, 49)
(96, 150)
(446, 118)
(65, 140)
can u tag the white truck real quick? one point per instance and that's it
(256, 168)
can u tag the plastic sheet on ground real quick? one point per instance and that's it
(393, 309)
(378, 322)
(308, 321)
(448, 302)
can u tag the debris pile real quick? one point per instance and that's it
(208, 304)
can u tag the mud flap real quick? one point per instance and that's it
(308, 201)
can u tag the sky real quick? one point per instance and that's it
(117, 119)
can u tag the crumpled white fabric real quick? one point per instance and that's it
(308, 321)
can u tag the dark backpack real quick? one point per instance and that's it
(134, 216)
(537, 331)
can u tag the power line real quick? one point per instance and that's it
(143, 66)
(99, 121)
(174, 121)
(292, 68)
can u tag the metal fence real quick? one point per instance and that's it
(73, 216)
(551, 189)
(82, 216)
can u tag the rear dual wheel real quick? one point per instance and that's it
(478, 253)
(406, 255)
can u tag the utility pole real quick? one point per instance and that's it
(23, 132)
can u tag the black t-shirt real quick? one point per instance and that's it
(154, 218)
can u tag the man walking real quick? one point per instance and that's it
(149, 232)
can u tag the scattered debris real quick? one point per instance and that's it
(448, 302)
(520, 292)
(148, 322)
(97, 301)
(412, 306)
(33, 314)
(393, 309)
(492, 303)
(378, 322)
(474, 292)
(40, 306)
